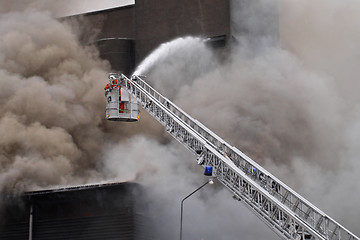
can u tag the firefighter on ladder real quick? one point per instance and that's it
(114, 84)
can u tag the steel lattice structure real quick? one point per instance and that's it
(281, 208)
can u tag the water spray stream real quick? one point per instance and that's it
(164, 50)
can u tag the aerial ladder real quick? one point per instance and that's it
(286, 212)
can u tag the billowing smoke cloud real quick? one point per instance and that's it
(52, 123)
(331, 50)
(50, 90)
(284, 104)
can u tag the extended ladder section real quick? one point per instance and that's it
(281, 208)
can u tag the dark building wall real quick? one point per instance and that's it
(118, 23)
(158, 21)
(119, 52)
(14, 219)
(113, 32)
(110, 211)
(112, 23)
(150, 23)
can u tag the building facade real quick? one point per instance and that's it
(126, 35)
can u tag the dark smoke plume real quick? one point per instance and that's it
(51, 103)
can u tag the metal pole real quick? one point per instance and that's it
(31, 222)
(182, 205)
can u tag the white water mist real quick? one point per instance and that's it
(165, 51)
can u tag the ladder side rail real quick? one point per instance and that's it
(300, 206)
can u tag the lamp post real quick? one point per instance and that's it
(182, 203)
